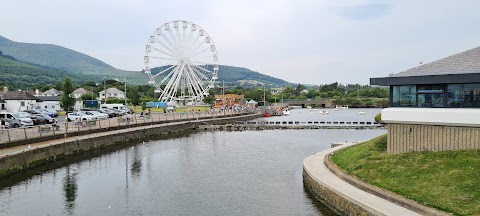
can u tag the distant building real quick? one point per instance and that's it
(55, 100)
(77, 93)
(229, 99)
(14, 101)
(434, 106)
(52, 92)
(111, 93)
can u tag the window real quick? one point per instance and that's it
(22, 103)
(404, 96)
(430, 96)
(471, 94)
(455, 95)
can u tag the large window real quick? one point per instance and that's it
(404, 96)
(430, 95)
(451, 95)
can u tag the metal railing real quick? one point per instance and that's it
(25, 133)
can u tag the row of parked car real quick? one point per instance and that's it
(86, 114)
(25, 119)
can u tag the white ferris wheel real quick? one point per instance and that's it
(181, 61)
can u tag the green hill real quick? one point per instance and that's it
(22, 75)
(64, 59)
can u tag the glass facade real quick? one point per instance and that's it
(404, 96)
(441, 95)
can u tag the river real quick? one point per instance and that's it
(202, 173)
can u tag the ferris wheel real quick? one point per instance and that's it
(181, 61)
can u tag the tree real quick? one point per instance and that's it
(134, 96)
(209, 99)
(89, 96)
(67, 102)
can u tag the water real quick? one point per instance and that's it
(346, 115)
(205, 173)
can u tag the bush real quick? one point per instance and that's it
(378, 118)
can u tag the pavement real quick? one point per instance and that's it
(317, 170)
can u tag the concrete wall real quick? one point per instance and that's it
(334, 201)
(412, 137)
(432, 116)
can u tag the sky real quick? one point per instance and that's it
(300, 41)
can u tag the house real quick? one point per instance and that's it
(111, 93)
(77, 93)
(44, 100)
(15, 101)
(52, 92)
(435, 106)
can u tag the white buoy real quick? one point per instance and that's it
(143, 154)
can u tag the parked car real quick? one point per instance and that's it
(12, 123)
(22, 118)
(77, 115)
(118, 112)
(95, 114)
(50, 113)
(38, 120)
(48, 119)
(110, 113)
(33, 112)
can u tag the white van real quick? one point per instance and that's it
(24, 120)
(113, 106)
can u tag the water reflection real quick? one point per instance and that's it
(70, 188)
(206, 173)
(136, 166)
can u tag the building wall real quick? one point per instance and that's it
(15, 105)
(412, 137)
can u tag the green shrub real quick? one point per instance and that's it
(378, 117)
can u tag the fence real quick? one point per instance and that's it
(18, 134)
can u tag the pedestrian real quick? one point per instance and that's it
(141, 114)
(55, 125)
(2, 124)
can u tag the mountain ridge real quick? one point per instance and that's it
(65, 59)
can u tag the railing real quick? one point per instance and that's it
(25, 133)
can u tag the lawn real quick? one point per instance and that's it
(448, 181)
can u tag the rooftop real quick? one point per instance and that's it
(18, 95)
(112, 91)
(462, 67)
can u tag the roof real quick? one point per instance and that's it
(49, 98)
(80, 91)
(52, 91)
(18, 95)
(462, 67)
(112, 91)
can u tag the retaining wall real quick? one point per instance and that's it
(12, 164)
(409, 138)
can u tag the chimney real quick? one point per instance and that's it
(5, 89)
(37, 92)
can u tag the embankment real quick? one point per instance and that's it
(53, 150)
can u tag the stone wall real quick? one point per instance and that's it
(15, 163)
(409, 138)
(334, 201)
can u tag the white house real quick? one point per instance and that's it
(52, 92)
(111, 93)
(15, 101)
(47, 101)
(79, 92)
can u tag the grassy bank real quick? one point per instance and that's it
(448, 181)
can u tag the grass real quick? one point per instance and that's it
(449, 181)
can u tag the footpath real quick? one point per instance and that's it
(343, 196)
